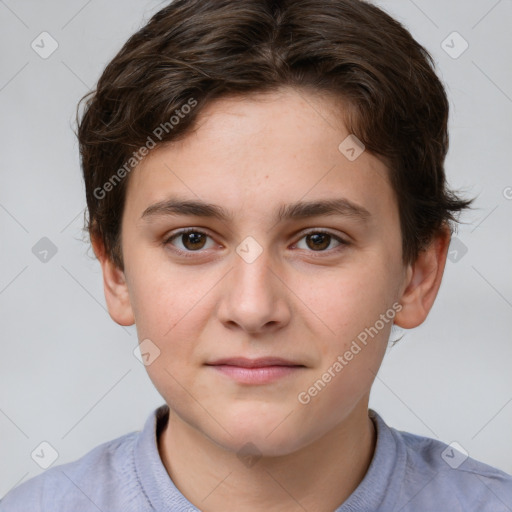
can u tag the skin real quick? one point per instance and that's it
(251, 155)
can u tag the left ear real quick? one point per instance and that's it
(423, 281)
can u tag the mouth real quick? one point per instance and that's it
(256, 371)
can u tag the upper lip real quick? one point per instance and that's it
(254, 363)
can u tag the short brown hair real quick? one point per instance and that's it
(206, 49)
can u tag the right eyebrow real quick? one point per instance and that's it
(175, 206)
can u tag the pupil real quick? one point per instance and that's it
(318, 237)
(193, 238)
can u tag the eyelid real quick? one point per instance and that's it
(183, 231)
(342, 241)
(325, 231)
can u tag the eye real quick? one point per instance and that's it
(192, 240)
(318, 241)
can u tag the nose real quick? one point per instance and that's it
(254, 297)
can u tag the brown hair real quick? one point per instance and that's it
(192, 52)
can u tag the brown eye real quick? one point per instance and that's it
(319, 241)
(192, 240)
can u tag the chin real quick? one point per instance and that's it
(268, 435)
(258, 445)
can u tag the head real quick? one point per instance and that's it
(224, 119)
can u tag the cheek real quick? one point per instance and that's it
(163, 295)
(171, 307)
(347, 301)
(175, 328)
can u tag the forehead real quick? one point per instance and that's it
(248, 153)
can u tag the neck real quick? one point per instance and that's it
(319, 476)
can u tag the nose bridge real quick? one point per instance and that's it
(253, 298)
(252, 276)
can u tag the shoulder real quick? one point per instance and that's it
(80, 485)
(437, 473)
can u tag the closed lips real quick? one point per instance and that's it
(243, 362)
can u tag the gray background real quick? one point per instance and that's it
(68, 373)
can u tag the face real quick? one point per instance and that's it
(302, 286)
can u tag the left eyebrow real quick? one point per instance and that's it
(298, 210)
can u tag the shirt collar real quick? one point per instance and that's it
(377, 491)
(157, 486)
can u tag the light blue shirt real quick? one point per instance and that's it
(408, 473)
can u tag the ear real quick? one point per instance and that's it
(423, 281)
(115, 287)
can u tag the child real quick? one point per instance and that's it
(303, 142)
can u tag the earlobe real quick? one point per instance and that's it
(114, 286)
(423, 281)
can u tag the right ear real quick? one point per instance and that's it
(114, 285)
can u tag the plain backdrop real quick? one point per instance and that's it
(68, 374)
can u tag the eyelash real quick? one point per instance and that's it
(190, 254)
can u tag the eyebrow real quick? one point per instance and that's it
(299, 210)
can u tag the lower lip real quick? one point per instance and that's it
(260, 375)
